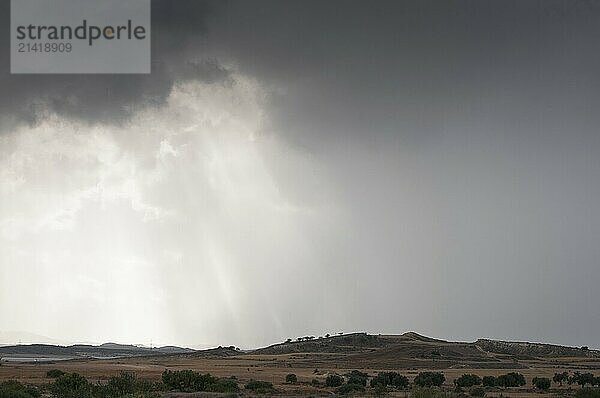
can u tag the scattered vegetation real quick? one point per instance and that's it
(14, 389)
(357, 377)
(541, 383)
(349, 388)
(393, 379)
(468, 380)
(587, 392)
(54, 373)
(560, 378)
(488, 381)
(429, 392)
(429, 379)
(260, 387)
(512, 379)
(334, 380)
(71, 385)
(190, 381)
(477, 392)
(291, 378)
(582, 379)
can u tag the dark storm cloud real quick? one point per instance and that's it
(412, 69)
(176, 27)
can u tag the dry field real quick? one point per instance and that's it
(335, 355)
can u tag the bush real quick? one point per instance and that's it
(350, 388)
(429, 379)
(54, 373)
(334, 381)
(582, 379)
(587, 392)
(512, 379)
(291, 378)
(390, 379)
(560, 377)
(14, 389)
(541, 383)
(226, 385)
(260, 387)
(187, 380)
(489, 381)
(477, 392)
(468, 380)
(71, 385)
(428, 392)
(357, 377)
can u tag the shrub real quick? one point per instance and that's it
(587, 392)
(334, 381)
(489, 381)
(225, 385)
(123, 384)
(428, 392)
(477, 392)
(390, 379)
(350, 388)
(429, 379)
(291, 378)
(582, 379)
(512, 379)
(560, 377)
(260, 387)
(14, 389)
(187, 380)
(71, 385)
(468, 380)
(541, 383)
(54, 373)
(380, 390)
(357, 377)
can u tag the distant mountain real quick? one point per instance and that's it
(48, 352)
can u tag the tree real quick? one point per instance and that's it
(291, 378)
(582, 379)
(429, 379)
(560, 377)
(357, 377)
(350, 388)
(288, 341)
(327, 335)
(393, 379)
(489, 381)
(334, 381)
(512, 379)
(54, 373)
(71, 385)
(541, 383)
(468, 380)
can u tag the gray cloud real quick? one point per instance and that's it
(114, 98)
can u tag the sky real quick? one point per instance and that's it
(301, 168)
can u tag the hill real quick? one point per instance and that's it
(412, 350)
(48, 352)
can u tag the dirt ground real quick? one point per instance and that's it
(274, 368)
